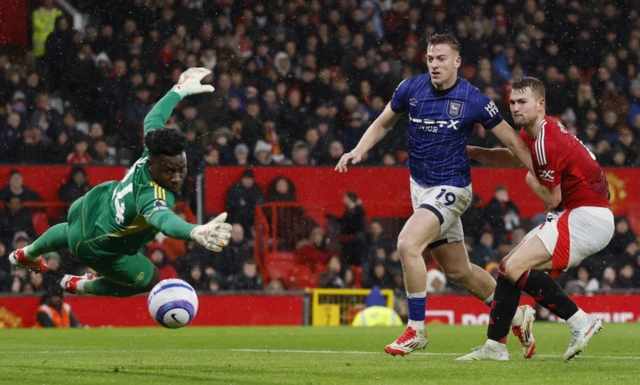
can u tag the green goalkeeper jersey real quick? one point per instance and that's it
(121, 217)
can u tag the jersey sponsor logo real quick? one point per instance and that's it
(430, 125)
(491, 109)
(455, 108)
(546, 175)
(160, 204)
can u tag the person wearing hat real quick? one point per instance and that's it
(376, 312)
(241, 153)
(262, 154)
(54, 312)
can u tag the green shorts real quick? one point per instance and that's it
(135, 270)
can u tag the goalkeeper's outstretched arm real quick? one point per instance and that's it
(188, 84)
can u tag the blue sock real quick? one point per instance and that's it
(417, 303)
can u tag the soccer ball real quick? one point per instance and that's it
(173, 303)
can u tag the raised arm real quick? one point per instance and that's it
(376, 131)
(188, 84)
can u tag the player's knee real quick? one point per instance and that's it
(408, 247)
(458, 273)
(512, 269)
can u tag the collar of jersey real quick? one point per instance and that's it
(438, 92)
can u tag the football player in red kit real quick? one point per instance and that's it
(573, 188)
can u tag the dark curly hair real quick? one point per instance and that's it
(165, 141)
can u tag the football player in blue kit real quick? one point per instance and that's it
(442, 111)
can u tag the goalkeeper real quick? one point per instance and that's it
(106, 228)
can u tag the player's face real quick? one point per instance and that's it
(169, 171)
(443, 63)
(525, 106)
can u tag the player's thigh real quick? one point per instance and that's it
(446, 203)
(75, 234)
(134, 270)
(453, 258)
(589, 230)
(421, 228)
(531, 253)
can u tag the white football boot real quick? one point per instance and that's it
(580, 336)
(524, 331)
(490, 351)
(409, 341)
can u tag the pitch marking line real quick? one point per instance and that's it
(283, 351)
(418, 353)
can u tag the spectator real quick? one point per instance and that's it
(43, 19)
(228, 263)
(76, 186)
(249, 280)
(352, 233)
(501, 213)
(80, 155)
(54, 312)
(332, 277)
(262, 154)
(160, 260)
(608, 281)
(17, 188)
(102, 155)
(313, 251)
(436, 281)
(274, 286)
(197, 279)
(15, 220)
(242, 198)
(241, 153)
(376, 238)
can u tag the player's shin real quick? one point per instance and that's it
(54, 239)
(504, 306)
(547, 292)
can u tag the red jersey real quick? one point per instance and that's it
(560, 158)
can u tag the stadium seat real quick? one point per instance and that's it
(40, 222)
(279, 269)
(281, 256)
(357, 275)
(301, 277)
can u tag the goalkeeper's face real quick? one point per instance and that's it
(168, 171)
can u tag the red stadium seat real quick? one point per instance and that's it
(301, 277)
(357, 275)
(281, 256)
(40, 222)
(279, 269)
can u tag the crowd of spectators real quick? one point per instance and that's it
(297, 83)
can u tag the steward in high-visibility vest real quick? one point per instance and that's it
(44, 22)
(54, 313)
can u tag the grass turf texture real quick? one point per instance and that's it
(297, 355)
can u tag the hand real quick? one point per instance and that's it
(346, 158)
(214, 235)
(189, 82)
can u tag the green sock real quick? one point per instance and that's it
(54, 239)
(106, 287)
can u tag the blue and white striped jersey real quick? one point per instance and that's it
(440, 123)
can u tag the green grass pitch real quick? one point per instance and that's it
(305, 356)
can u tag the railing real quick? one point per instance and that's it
(261, 241)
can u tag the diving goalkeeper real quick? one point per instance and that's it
(106, 228)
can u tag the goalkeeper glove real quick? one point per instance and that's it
(213, 235)
(189, 82)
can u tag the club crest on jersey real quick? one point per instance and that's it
(455, 108)
(413, 101)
